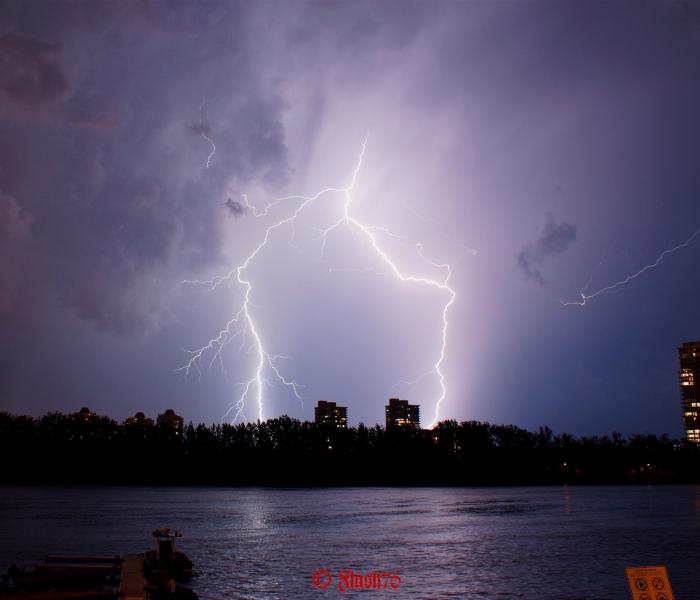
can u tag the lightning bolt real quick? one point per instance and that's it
(244, 318)
(428, 220)
(203, 131)
(213, 148)
(585, 297)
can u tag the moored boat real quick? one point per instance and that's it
(152, 575)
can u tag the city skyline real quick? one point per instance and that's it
(538, 160)
(399, 413)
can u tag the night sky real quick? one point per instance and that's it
(538, 148)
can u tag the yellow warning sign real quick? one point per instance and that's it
(649, 583)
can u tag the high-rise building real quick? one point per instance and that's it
(138, 426)
(84, 414)
(169, 421)
(689, 357)
(327, 413)
(399, 413)
(139, 420)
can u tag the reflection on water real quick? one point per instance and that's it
(489, 506)
(541, 543)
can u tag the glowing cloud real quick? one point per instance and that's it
(244, 321)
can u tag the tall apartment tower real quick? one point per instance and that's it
(399, 413)
(171, 422)
(327, 413)
(689, 357)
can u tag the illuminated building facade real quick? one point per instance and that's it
(138, 426)
(399, 413)
(139, 420)
(84, 414)
(327, 413)
(169, 421)
(689, 357)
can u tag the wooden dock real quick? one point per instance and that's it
(105, 576)
(132, 586)
(83, 558)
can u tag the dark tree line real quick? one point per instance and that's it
(58, 448)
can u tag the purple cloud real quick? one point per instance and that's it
(554, 239)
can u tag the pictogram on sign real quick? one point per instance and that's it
(649, 583)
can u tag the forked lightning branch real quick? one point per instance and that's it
(244, 321)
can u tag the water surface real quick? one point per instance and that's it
(558, 543)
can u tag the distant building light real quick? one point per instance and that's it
(330, 414)
(170, 421)
(399, 413)
(689, 372)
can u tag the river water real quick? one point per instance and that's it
(540, 543)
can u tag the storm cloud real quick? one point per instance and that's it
(109, 201)
(554, 239)
(117, 214)
(31, 74)
(235, 208)
(15, 223)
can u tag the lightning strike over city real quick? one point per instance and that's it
(286, 296)
(244, 318)
(150, 146)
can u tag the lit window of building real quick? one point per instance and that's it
(329, 414)
(399, 413)
(689, 358)
(84, 414)
(169, 421)
(139, 420)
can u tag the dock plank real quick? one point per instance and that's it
(83, 558)
(132, 580)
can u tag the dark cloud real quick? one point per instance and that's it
(125, 206)
(554, 239)
(82, 118)
(108, 203)
(234, 207)
(15, 232)
(15, 223)
(31, 74)
(201, 128)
